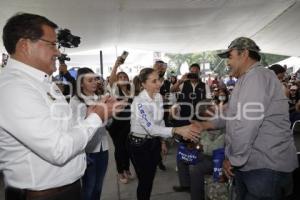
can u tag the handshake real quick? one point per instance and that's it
(106, 107)
(193, 131)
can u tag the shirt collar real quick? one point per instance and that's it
(145, 94)
(89, 100)
(92, 97)
(31, 71)
(257, 64)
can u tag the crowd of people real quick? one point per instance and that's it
(54, 139)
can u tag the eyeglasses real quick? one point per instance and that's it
(52, 44)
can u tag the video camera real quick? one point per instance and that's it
(4, 59)
(63, 57)
(67, 40)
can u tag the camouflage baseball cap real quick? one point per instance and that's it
(240, 43)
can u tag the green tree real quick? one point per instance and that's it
(176, 60)
(217, 65)
(269, 59)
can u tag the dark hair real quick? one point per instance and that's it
(159, 62)
(254, 55)
(195, 65)
(127, 85)
(80, 74)
(119, 73)
(175, 78)
(137, 85)
(144, 74)
(278, 69)
(23, 25)
(224, 90)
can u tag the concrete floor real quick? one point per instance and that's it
(162, 189)
(114, 190)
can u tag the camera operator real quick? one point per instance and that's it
(191, 90)
(69, 89)
(67, 40)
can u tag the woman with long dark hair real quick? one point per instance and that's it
(97, 149)
(120, 127)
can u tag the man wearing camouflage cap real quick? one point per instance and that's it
(260, 151)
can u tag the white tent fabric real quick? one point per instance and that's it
(178, 26)
(292, 63)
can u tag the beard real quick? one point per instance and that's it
(234, 71)
(161, 74)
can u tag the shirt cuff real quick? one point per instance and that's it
(94, 120)
(168, 132)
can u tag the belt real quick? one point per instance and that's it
(30, 194)
(52, 191)
(141, 135)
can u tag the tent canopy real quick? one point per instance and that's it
(176, 26)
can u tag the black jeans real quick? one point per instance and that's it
(119, 133)
(145, 158)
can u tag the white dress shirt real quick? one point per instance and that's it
(147, 116)
(39, 149)
(79, 110)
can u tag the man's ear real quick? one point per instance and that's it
(23, 46)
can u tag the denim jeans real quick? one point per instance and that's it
(92, 180)
(262, 184)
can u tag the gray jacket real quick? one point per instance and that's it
(257, 124)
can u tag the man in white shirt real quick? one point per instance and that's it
(41, 154)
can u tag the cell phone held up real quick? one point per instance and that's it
(192, 76)
(124, 56)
